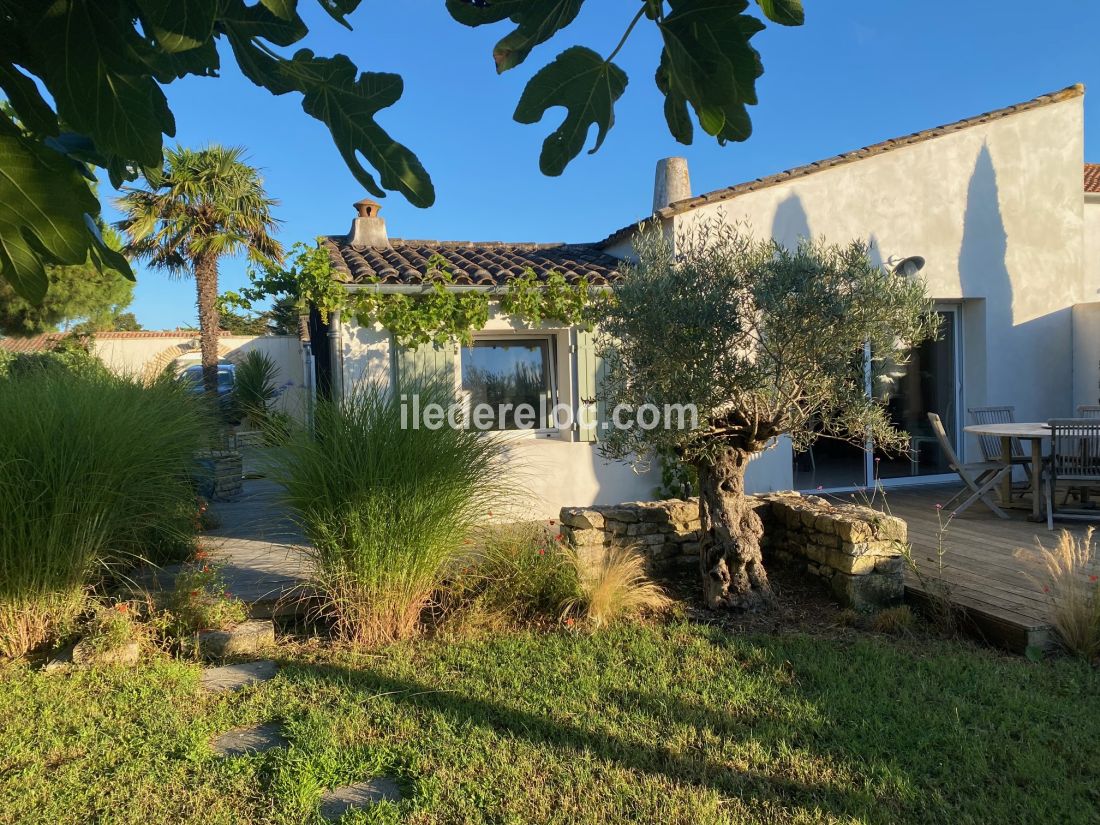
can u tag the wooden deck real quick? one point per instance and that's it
(992, 569)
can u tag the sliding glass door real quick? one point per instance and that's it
(929, 380)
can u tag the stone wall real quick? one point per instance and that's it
(224, 471)
(855, 550)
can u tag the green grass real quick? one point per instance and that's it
(672, 724)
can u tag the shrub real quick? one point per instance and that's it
(615, 588)
(110, 628)
(517, 573)
(387, 509)
(93, 468)
(254, 387)
(71, 353)
(1072, 585)
(201, 600)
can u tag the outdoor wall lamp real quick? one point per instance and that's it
(906, 267)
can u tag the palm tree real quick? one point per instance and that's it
(208, 203)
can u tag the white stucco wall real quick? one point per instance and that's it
(548, 473)
(137, 353)
(997, 212)
(1086, 316)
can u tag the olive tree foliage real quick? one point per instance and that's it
(763, 341)
(103, 65)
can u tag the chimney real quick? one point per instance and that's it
(671, 182)
(368, 229)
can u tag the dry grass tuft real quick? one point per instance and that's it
(893, 620)
(616, 588)
(1072, 585)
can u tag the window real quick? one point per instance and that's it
(511, 378)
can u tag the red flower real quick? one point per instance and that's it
(569, 622)
(542, 552)
(205, 568)
(122, 608)
(560, 537)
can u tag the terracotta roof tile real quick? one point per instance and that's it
(1092, 177)
(38, 343)
(488, 263)
(34, 343)
(849, 157)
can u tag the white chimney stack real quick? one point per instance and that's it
(671, 182)
(368, 229)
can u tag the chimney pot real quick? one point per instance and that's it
(368, 228)
(671, 182)
(367, 208)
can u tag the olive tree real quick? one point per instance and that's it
(764, 342)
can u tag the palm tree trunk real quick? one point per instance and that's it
(206, 284)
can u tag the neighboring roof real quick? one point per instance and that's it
(491, 263)
(1092, 177)
(46, 340)
(35, 343)
(849, 157)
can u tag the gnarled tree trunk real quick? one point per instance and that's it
(729, 557)
(206, 284)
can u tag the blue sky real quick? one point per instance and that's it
(858, 72)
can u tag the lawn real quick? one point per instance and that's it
(652, 723)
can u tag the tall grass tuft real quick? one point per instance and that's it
(388, 509)
(516, 574)
(616, 587)
(1072, 585)
(93, 470)
(254, 387)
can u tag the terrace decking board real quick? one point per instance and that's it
(993, 570)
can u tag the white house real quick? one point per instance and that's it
(993, 204)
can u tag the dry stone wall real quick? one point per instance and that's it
(856, 551)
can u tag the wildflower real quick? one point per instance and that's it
(569, 622)
(560, 537)
(194, 594)
(939, 506)
(542, 552)
(206, 568)
(123, 608)
(227, 595)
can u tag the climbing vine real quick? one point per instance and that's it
(439, 316)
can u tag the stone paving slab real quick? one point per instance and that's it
(337, 802)
(248, 741)
(235, 677)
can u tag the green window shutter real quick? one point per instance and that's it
(425, 362)
(590, 372)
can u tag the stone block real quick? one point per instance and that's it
(247, 741)
(87, 656)
(582, 518)
(851, 530)
(246, 639)
(873, 590)
(690, 548)
(626, 513)
(339, 801)
(235, 677)
(579, 537)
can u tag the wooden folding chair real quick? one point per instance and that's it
(981, 479)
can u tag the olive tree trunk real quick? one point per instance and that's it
(729, 557)
(206, 285)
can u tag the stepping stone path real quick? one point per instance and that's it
(235, 677)
(247, 741)
(246, 639)
(337, 802)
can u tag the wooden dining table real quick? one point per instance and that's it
(1033, 432)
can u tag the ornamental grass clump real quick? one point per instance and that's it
(1073, 587)
(94, 469)
(514, 574)
(615, 587)
(387, 508)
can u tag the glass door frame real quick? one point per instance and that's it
(953, 309)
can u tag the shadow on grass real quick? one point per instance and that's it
(695, 767)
